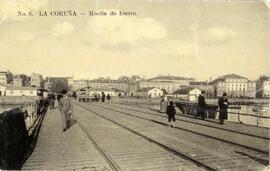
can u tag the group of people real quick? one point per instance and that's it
(103, 97)
(223, 103)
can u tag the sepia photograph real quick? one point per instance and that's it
(135, 85)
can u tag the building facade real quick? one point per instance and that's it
(234, 85)
(204, 86)
(3, 90)
(150, 92)
(56, 84)
(21, 91)
(20, 80)
(36, 80)
(168, 83)
(6, 77)
(108, 83)
(263, 87)
(79, 84)
(169, 86)
(183, 81)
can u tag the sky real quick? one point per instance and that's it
(198, 38)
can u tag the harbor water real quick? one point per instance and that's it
(255, 110)
(6, 107)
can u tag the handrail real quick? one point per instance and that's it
(192, 107)
(17, 138)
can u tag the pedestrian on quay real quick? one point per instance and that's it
(108, 97)
(103, 97)
(201, 108)
(171, 114)
(223, 104)
(66, 110)
(163, 104)
(52, 100)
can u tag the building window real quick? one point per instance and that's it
(11, 92)
(31, 92)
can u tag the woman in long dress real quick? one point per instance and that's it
(163, 105)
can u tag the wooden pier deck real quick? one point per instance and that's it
(121, 137)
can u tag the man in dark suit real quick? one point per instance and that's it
(171, 113)
(223, 104)
(201, 105)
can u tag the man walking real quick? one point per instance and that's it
(201, 105)
(66, 109)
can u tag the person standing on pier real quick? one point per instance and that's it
(66, 109)
(201, 105)
(108, 97)
(223, 104)
(163, 104)
(52, 99)
(171, 113)
(103, 97)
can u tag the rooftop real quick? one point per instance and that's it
(169, 77)
(185, 90)
(228, 76)
(20, 88)
(146, 89)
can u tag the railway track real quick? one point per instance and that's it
(188, 121)
(112, 117)
(127, 149)
(151, 119)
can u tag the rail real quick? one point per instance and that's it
(212, 110)
(18, 131)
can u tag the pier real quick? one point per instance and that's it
(114, 136)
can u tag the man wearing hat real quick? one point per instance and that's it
(201, 105)
(66, 109)
(223, 104)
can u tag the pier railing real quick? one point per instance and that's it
(18, 131)
(190, 108)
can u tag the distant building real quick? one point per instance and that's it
(20, 80)
(88, 91)
(169, 86)
(188, 93)
(108, 83)
(234, 85)
(36, 80)
(3, 90)
(6, 77)
(120, 92)
(70, 83)
(150, 92)
(204, 85)
(251, 89)
(21, 91)
(136, 78)
(263, 87)
(78, 84)
(47, 85)
(98, 91)
(168, 83)
(133, 87)
(183, 81)
(56, 83)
